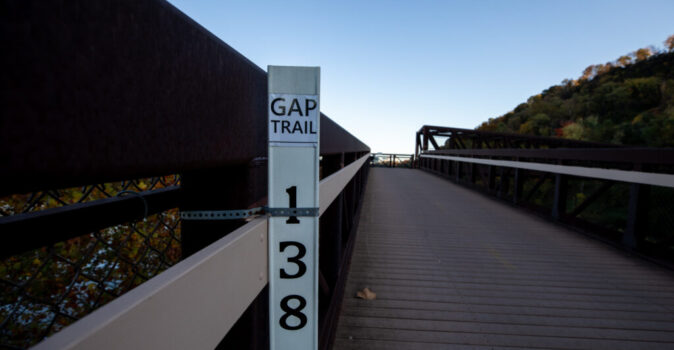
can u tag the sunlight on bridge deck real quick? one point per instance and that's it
(455, 269)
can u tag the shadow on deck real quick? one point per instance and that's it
(455, 269)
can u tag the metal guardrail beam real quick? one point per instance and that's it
(188, 299)
(336, 140)
(332, 185)
(638, 187)
(97, 92)
(449, 131)
(468, 138)
(638, 177)
(37, 229)
(606, 155)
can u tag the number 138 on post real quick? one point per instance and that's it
(293, 129)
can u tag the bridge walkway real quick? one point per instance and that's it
(454, 269)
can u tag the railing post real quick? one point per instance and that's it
(425, 140)
(473, 171)
(505, 183)
(519, 182)
(636, 216)
(559, 202)
(491, 182)
(458, 171)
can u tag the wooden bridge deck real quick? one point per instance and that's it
(453, 269)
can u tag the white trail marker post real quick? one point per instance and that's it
(294, 116)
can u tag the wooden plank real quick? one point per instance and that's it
(454, 269)
(511, 310)
(495, 277)
(580, 289)
(358, 344)
(505, 327)
(451, 338)
(588, 321)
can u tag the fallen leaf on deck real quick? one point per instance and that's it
(366, 294)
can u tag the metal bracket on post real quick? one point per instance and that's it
(246, 213)
(307, 212)
(220, 214)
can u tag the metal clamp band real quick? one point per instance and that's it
(220, 214)
(292, 211)
(245, 213)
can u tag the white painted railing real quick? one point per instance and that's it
(639, 177)
(194, 303)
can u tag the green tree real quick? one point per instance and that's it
(632, 105)
(538, 125)
(572, 131)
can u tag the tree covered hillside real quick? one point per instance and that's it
(629, 101)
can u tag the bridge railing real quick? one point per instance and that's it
(114, 118)
(622, 195)
(391, 160)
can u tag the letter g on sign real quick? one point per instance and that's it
(282, 108)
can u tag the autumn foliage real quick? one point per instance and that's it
(628, 101)
(46, 289)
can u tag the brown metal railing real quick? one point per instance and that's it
(391, 160)
(98, 94)
(621, 195)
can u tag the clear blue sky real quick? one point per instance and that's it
(388, 67)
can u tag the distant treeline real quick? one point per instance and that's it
(628, 101)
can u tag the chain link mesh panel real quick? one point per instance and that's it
(36, 201)
(44, 290)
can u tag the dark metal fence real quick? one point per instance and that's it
(635, 216)
(441, 137)
(101, 93)
(45, 289)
